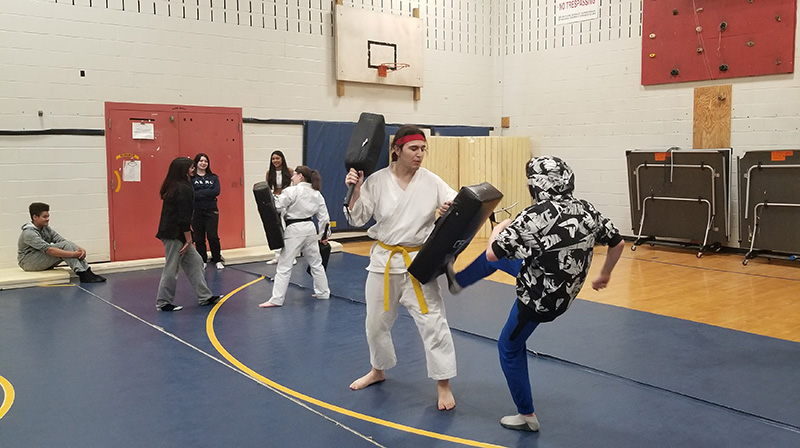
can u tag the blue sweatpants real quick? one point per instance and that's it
(481, 267)
(514, 360)
(513, 354)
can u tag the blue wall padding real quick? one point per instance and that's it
(326, 145)
(461, 131)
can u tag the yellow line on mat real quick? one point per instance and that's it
(213, 338)
(8, 396)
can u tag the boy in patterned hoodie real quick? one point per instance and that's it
(555, 239)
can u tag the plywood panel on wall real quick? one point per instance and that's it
(500, 161)
(442, 159)
(512, 180)
(712, 117)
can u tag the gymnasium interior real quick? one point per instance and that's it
(679, 119)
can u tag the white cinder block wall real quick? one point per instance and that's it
(575, 90)
(281, 67)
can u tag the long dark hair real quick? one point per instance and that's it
(197, 159)
(408, 129)
(286, 177)
(311, 176)
(176, 175)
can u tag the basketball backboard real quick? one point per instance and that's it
(367, 39)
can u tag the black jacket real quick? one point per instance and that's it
(176, 214)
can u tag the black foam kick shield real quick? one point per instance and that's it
(455, 229)
(269, 215)
(365, 146)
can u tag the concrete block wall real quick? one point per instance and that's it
(67, 58)
(260, 141)
(576, 90)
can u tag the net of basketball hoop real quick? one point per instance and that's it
(383, 69)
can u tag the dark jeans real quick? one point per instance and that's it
(514, 358)
(205, 225)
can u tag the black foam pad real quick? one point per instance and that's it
(455, 229)
(269, 215)
(366, 143)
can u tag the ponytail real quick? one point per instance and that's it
(316, 180)
(312, 177)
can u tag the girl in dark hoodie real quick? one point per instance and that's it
(206, 213)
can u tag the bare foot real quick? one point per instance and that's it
(374, 376)
(266, 304)
(446, 399)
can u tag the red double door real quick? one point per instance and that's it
(141, 142)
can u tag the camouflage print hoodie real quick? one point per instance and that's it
(555, 238)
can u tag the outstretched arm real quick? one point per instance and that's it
(613, 255)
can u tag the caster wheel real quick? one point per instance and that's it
(745, 261)
(633, 248)
(699, 255)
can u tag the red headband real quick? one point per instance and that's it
(408, 138)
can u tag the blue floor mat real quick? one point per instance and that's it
(99, 366)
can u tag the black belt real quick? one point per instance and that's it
(292, 221)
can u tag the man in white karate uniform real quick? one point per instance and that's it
(403, 198)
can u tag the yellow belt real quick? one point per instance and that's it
(414, 282)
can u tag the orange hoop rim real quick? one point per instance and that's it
(383, 69)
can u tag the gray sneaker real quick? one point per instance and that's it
(450, 273)
(520, 422)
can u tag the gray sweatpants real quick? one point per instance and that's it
(41, 261)
(192, 266)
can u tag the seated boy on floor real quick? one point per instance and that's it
(41, 248)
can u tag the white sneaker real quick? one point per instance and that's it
(204, 265)
(294, 261)
(273, 261)
(220, 266)
(520, 422)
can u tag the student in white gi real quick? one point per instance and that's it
(299, 203)
(403, 198)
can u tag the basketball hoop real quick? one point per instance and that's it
(383, 69)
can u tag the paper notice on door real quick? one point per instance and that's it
(143, 131)
(132, 171)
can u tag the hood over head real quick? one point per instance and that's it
(549, 178)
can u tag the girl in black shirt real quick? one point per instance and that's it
(175, 231)
(206, 214)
